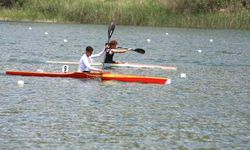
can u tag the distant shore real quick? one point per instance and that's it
(160, 13)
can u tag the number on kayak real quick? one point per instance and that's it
(65, 68)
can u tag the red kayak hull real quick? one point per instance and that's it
(55, 74)
(104, 76)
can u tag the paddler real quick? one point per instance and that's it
(86, 61)
(111, 48)
(109, 51)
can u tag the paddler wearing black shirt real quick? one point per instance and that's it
(109, 50)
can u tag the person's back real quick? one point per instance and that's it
(86, 61)
(110, 50)
(109, 57)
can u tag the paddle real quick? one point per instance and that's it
(138, 50)
(111, 29)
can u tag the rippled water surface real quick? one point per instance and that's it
(209, 109)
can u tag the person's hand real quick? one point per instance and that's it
(100, 70)
(118, 62)
(107, 45)
(97, 71)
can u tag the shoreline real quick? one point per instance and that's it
(160, 13)
(68, 22)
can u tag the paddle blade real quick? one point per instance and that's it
(111, 29)
(139, 50)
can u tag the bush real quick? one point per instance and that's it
(12, 3)
(203, 6)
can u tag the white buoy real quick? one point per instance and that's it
(183, 75)
(149, 40)
(20, 82)
(199, 50)
(30, 28)
(46, 33)
(168, 81)
(166, 33)
(65, 40)
(211, 40)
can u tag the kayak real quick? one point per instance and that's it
(104, 76)
(87, 75)
(109, 65)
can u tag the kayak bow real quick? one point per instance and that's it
(104, 76)
(135, 78)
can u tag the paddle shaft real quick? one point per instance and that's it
(138, 50)
(111, 29)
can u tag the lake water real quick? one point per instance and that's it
(209, 109)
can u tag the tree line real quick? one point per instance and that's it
(177, 6)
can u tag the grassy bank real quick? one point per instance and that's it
(178, 13)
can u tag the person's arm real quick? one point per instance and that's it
(99, 54)
(119, 50)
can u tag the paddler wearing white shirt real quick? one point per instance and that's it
(86, 61)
